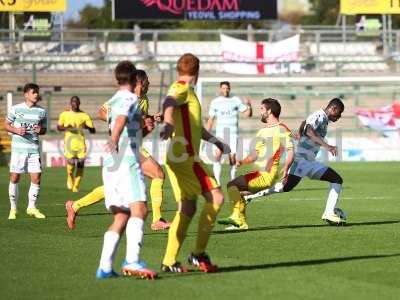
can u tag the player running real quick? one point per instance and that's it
(272, 141)
(26, 121)
(313, 131)
(150, 167)
(73, 122)
(125, 191)
(225, 110)
(187, 173)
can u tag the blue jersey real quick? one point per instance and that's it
(226, 111)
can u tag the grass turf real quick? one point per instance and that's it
(288, 253)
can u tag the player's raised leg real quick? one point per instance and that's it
(290, 183)
(154, 171)
(238, 216)
(72, 207)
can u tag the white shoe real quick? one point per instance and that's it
(333, 219)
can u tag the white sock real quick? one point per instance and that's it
(217, 171)
(111, 239)
(233, 172)
(134, 239)
(277, 188)
(13, 193)
(33, 195)
(333, 197)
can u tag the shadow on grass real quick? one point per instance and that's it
(278, 227)
(285, 264)
(98, 214)
(82, 215)
(304, 262)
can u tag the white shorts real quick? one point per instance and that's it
(311, 169)
(123, 186)
(25, 162)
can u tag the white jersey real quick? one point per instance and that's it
(21, 115)
(126, 104)
(226, 111)
(306, 148)
(122, 176)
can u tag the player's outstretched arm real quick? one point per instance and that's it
(168, 112)
(249, 159)
(207, 136)
(310, 132)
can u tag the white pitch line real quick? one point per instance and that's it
(321, 198)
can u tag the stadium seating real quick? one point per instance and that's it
(77, 56)
(360, 56)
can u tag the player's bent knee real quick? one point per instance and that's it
(188, 208)
(338, 180)
(218, 197)
(14, 177)
(139, 210)
(287, 188)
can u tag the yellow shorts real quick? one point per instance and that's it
(144, 153)
(258, 181)
(75, 153)
(190, 179)
(75, 148)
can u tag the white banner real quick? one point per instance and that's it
(243, 57)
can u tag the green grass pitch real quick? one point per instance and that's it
(288, 253)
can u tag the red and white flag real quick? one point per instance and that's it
(243, 57)
(385, 120)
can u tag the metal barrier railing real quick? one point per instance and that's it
(15, 39)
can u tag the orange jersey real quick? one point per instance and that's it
(271, 144)
(186, 138)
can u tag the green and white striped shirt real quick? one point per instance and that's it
(21, 115)
(306, 148)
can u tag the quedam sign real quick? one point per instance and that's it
(194, 9)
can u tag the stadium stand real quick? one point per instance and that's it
(360, 56)
(91, 55)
